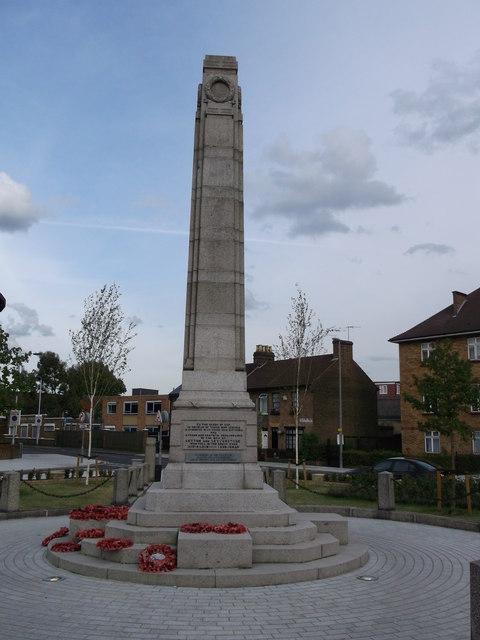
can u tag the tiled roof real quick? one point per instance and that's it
(273, 374)
(445, 323)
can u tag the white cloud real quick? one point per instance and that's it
(429, 248)
(309, 188)
(26, 322)
(18, 211)
(252, 304)
(446, 111)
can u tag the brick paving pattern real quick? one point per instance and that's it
(422, 593)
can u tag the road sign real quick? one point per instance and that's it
(15, 415)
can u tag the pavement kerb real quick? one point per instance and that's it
(395, 516)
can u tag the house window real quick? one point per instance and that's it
(397, 388)
(153, 407)
(276, 403)
(263, 404)
(429, 405)
(476, 442)
(129, 429)
(290, 437)
(432, 442)
(111, 407)
(473, 346)
(295, 401)
(383, 389)
(130, 407)
(475, 407)
(427, 350)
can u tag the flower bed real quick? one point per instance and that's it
(114, 544)
(90, 533)
(65, 546)
(157, 558)
(203, 527)
(99, 512)
(56, 534)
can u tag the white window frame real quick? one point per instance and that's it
(432, 442)
(129, 405)
(110, 406)
(427, 348)
(475, 408)
(397, 388)
(263, 404)
(150, 406)
(473, 348)
(383, 389)
(276, 402)
(476, 442)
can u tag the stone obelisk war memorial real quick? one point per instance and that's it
(213, 475)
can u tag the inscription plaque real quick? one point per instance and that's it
(219, 436)
(216, 457)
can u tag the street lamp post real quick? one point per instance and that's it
(38, 417)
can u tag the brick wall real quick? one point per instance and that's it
(413, 440)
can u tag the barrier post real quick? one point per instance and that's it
(439, 492)
(469, 497)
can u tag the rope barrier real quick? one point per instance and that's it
(72, 495)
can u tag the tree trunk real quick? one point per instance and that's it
(454, 487)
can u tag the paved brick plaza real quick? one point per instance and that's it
(422, 593)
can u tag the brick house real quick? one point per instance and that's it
(271, 385)
(388, 414)
(136, 412)
(459, 323)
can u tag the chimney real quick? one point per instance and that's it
(263, 354)
(459, 300)
(346, 348)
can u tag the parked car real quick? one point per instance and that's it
(399, 467)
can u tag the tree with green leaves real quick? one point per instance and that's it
(13, 377)
(102, 342)
(109, 384)
(445, 394)
(303, 338)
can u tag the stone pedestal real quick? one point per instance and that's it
(213, 550)
(10, 491)
(386, 491)
(475, 599)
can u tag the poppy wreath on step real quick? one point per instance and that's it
(196, 527)
(203, 527)
(230, 527)
(65, 546)
(114, 544)
(157, 558)
(64, 531)
(84, 534)
(99, 512)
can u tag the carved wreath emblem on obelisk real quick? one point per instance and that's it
(219, 89)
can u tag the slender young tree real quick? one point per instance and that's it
(103, 341)
(303, 338)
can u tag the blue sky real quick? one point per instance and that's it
(361, 155)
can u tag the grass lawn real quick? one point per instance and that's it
(317, 496)
(51, 494)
